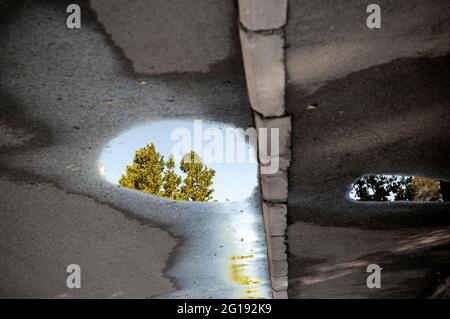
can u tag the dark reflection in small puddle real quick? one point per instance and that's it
(390, 188)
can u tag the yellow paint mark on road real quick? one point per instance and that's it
(239, 275)
(241, 257)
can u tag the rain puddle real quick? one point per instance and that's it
(391, 188)
(221, 147)
(226, 256)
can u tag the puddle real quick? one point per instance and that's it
(226, 254)
(392, 188)
(221, 148)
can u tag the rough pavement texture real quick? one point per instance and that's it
(171, 36)
(69, 92)
(381, 108)
(329, 39)
(52, 229)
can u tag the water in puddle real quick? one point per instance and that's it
(389, 188)
(239, 268)
(230, 155)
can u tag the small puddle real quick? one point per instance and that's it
(392, 188)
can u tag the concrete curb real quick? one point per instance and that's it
(262, 41)
(257, 15)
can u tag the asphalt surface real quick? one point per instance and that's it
(382, 107)
(64, 95)
(382, 101)
(171, 36)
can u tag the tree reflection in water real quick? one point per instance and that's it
(399, 188)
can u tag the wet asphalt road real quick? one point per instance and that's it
(383, 107)
(56, 115)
